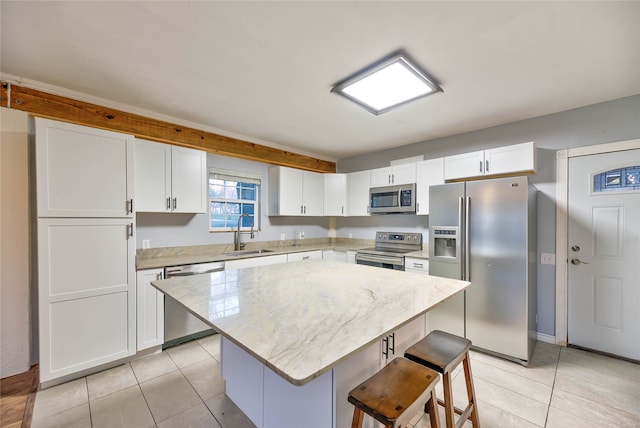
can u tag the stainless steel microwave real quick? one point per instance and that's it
(398, 199)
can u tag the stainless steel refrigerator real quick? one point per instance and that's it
(485, 232)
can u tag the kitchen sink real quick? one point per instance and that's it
(247, 252)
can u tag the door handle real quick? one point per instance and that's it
(577, 262)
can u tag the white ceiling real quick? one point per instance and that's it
(263, 70)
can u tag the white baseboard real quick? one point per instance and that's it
(547, 338)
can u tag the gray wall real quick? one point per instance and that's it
(617, 120)
(172, 230)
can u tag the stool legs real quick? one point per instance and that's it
(358, 418)
(432, 406)
(471, 393)
(448, 400)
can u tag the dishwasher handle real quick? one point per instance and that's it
(189, 270)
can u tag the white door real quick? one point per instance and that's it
(188, 180)
(604, 253)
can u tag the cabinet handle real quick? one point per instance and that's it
(175, 203)
(168, 204)
(159, 276)
(392, 348)
(130, 206)
(305, 209)
(480, 166)
(130, 230)
(301, 209)
(385, 352)
(305, 258)
(342, 210)
(486, 166)
(418, 265)
(393, 178)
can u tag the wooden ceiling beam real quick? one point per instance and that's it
(51, 106)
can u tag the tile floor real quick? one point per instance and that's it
(182, 387)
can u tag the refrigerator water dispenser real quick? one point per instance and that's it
(445, 241)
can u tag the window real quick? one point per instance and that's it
(618, 180)
(232, 194)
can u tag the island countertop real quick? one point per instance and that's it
(301, 319)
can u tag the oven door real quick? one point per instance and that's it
(386, 262)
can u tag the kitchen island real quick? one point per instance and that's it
(298, 336)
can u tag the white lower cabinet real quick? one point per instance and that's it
(255, 261)
(271, 401)
(305, 255)
(416, 264)
(86, 294)
(150, 309)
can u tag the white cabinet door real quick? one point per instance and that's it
(86, 293)
(255, 261)
(188, 180)
(294, 192)
(150, 309)
(153, 176)
(415, 264)
(82, 171)
(509, 159)
(305, 255)
(428, 173)
(404, 173)
(381, 177)
(285, 191)
(313, 193)
(464, 165)
(358, 184)
(170, 178)
(336, 255)
(335, 194)
(397, 174)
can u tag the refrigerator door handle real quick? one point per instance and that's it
(461, 233)
(467, 246)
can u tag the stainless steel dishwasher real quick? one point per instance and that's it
(180, 325)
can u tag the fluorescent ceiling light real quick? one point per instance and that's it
(387, 84)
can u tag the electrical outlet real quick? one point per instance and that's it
(282, 236)
(547, 259)
(350, 235)
(301, 234)
(146, 243)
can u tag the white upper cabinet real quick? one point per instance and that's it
(170, 178)
(358, 184)
(396, 174)
(428, 173)
(294, 192)
(82, 171)
(335, 194)
(509, 159)
(518, 158)
(464, 165)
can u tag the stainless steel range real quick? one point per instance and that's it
(390, 250)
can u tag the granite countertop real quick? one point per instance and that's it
(176, 256)
(301, 319)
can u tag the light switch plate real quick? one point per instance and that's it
(547, 259)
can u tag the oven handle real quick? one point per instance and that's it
(380, 259)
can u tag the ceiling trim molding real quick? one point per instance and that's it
(43, 104)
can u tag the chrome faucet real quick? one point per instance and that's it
(237, 245)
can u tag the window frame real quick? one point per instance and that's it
(240, 177)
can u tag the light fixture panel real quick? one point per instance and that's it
(387, 84)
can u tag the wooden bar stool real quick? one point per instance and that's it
(443, 352)
(395, 394)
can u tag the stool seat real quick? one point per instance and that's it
(394, 394)
(439, 351)
(443, 352)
